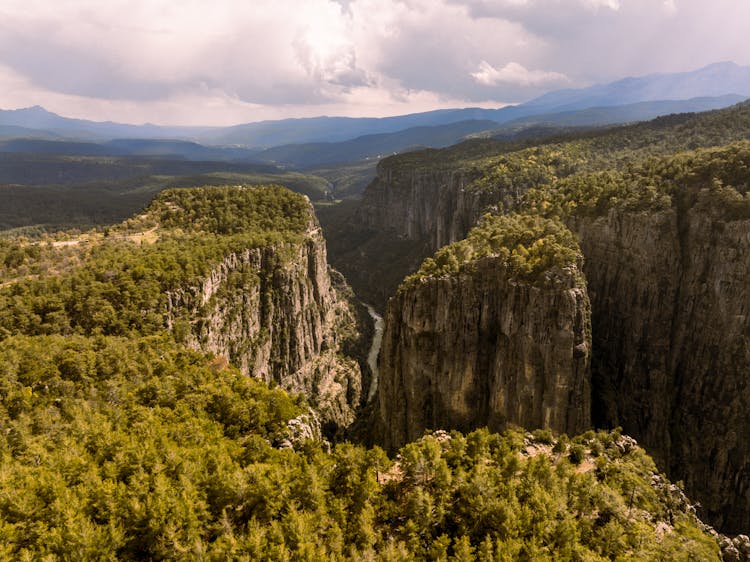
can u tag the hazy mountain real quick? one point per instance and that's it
(39, 118)
(714, 80)
(158, 148)
(373, 146)
(715, 86)
(601, 116)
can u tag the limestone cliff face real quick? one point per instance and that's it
(405, 215)
(482, 348)
(632, 270)
(670, 294)
(430, 205)
(274, 312)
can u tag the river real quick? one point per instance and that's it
(372, 356)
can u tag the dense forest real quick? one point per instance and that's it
(118, 443)
(510, 167)
(133, 448)
(108, 284)
(527, 244)
(47, 192)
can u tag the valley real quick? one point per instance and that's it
(662, 242)
(557, 329)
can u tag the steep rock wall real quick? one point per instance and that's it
(430, 205)
(670, 294)
(481, 348)
(632, 269)
(274, 312)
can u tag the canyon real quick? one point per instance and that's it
(282, 315)
(669, 294)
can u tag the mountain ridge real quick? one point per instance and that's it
(716, 80)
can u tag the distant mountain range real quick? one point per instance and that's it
(715, 80)
(303, 143)
(629, 113)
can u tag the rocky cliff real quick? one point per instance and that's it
(486, 346)
(430, 205)
(666, 266)
(405, 215)
(670, 294)
(274, 312)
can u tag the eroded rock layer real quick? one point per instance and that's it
(275, 313)
(481, 348)
(670, 294)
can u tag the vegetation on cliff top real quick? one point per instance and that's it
(717, 178)
(609, 146)
(131, 449)
(507, 170)
(232, 210)
(113, 285)
(42, 192)
(535, 239)
(527, 245)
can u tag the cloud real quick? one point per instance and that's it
(294, 57)
(514, 73)
(595, 4)
(670, 6)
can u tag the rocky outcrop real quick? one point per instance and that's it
(405, 215)
(274, 312)
(430, 205)
(670, 294)
(632, 270)
(482, 348)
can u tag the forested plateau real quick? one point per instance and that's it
(192, 383)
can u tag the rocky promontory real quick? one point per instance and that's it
(493, 332)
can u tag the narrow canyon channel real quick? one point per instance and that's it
(372, 356)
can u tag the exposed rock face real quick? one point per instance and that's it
(632, 270)
(405, 215)
(670, 294)
(274, 313)
(427, 205)
(481, 348)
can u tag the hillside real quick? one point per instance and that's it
(240, 272)
(133, 448)
(47, 192)
(129, 433)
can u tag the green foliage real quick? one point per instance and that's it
(527, 245)
(578, 152)
(117, 443)
(604, 167)
(716, 178)
(118, 287)
(49, 192)
(134, 448)
(118, 448)
(232, 210)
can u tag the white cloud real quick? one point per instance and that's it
(236, 60)
(611, 4)
(516, 74)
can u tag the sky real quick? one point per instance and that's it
(222, 62)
